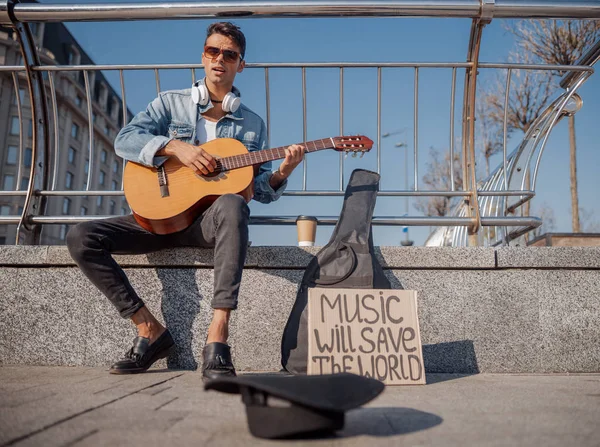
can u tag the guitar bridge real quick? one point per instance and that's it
(162, 182)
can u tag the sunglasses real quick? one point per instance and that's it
(228, 55)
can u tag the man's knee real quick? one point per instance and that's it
(232, 208)
(78, 239)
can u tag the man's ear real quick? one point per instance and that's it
(241, 67)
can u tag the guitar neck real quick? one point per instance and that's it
(276, 153)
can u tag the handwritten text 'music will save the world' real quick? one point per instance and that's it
(366, 335)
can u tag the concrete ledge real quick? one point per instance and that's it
(475, 317)
(549, 257)
(264, 257)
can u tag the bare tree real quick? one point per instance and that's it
(560, 42)
(529, 96)
(588, 223)
(438, 178)
(546, 213)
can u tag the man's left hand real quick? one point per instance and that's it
(294, 154)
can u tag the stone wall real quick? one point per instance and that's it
(480, 309)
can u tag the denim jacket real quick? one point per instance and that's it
(173, 115)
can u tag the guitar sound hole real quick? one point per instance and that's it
(216, 175)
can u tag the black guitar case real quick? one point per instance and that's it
(347, 261)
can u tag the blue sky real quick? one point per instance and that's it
(350, 40)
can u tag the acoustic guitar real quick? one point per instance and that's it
(170, 198)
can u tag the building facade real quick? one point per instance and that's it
(56, 46)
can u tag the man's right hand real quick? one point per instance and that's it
(194, 157)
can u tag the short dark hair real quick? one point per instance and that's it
(230, 30)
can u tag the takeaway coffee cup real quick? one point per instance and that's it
(307, 230)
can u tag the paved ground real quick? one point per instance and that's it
(60, 406)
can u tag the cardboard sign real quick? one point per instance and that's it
(372, 333)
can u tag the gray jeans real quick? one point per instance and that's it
(223, 226)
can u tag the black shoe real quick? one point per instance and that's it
(217, 361)
(143, 354)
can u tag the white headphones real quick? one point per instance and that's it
(200, 95)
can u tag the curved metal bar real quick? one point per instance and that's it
(572, 91)
(452, 106)
(56, 136)
(548, 125)
(565, 9)
(505, 124)
(90, 130)
(38, 174)
(20, 115)
(590, 58)
(469, 180)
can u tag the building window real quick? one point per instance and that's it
(69, 180)
(103, 155)
(30, 129)
(15, 128)
(87, 167)
(112, 207)
(115, 166)
(24, 183)
(83, 211)
(102, 178)
(99, 201)
(9, 182)
(94, 116)
(63, 232)
(79, 101)
(5, 210)
(72, 154)
(114, 185)
(11, 157)
(22, 96)
(75, 131)
(123, 211)
(74, 56)
(66, 205)
(106, 130)
(2, 240)
(28, 155)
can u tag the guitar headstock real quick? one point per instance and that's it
(354, 143)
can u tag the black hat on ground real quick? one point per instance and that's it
(318, 403)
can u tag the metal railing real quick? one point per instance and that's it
(479, 198)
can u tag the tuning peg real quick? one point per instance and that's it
(345, 155)
(354, 154)
(362, 154)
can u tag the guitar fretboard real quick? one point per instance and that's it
(259, 157)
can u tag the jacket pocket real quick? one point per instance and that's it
(180, 131)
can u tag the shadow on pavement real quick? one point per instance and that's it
(387, 421)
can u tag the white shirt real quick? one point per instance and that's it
(206, 130)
